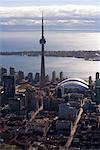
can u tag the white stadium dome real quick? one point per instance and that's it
(73, 85)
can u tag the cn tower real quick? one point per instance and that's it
(42, 42)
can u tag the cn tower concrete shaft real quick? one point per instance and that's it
(42, 42)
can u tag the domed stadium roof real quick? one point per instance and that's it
(73, 80)
(73, 84)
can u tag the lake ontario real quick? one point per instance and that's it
(56, 40)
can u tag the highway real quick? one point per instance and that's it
(35, 113)
(74, 127)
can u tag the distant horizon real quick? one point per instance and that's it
(19, 21)
(29, 28)
(65, 14)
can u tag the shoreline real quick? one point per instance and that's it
(87, 55)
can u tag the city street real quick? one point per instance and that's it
(74, 126)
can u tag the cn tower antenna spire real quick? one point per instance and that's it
(42, 26)
(42, 42)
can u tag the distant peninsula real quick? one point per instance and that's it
(87, 55)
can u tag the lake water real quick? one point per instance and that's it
(71, 67)
(56, 40)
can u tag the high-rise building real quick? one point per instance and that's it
(90, 82)
(31, 102)
(37, 77)
(20, 76)
(59, 93)
(29, 97)
(12, 71)
(9, 86)
(97, 75)
(54, 76)
(97, 88)
(3, 71)
(14, 105)
(42, 42)
(61, 76)
(30, 77)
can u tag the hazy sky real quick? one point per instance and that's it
(47, 2)
(66, 14)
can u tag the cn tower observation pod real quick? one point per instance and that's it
(72, 85)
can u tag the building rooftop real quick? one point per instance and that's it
(73, 84)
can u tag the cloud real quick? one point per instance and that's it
(64, 15)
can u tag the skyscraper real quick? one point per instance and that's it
(97, 75)
(9, 86)
(97, 88)
(42, 42)
(61, 76)
(54, 76)
(12, 71)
